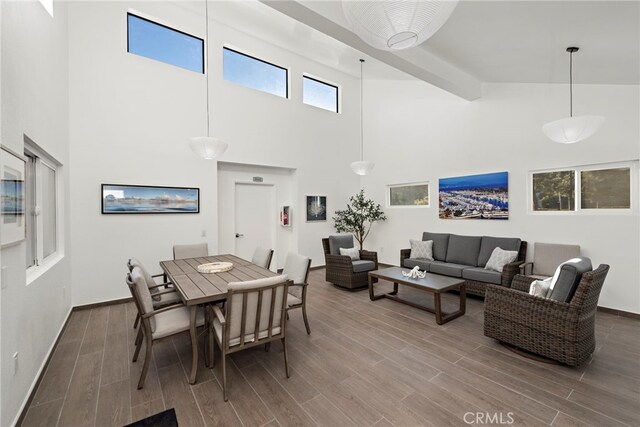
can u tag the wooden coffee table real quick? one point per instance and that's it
(434, 283)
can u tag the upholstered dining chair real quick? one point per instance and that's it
(156, 323)
(262, 257)
(255, 315)
(547, 257)
(296, 268)
(162, 294)
(190, 251)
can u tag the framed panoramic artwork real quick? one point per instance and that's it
(144, 199)
(12, 191)
(316, 208)
(483, 196)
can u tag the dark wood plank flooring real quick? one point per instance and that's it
(365, 363)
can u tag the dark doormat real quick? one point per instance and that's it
(163, 419)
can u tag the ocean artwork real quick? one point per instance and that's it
(483, 196)
(139, 199)
(316, 208)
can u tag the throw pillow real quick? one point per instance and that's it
(353, 253)
(499, 258)
(540, 288)
(422, 249)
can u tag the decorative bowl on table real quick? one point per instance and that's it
(215, 267)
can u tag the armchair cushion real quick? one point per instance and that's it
(440, 244)
(292, 300)
(423, 264)
(421, 249)
(362, 266)
(489, 243)
(448, 268)
(352, 253)
(338, 241)
(540, 288)
(482, 275)
(463, 249)
(567, 277)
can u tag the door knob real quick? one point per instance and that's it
(239, 235)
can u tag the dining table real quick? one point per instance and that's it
(198, 289)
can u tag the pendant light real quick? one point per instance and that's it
(207, 147)
(572, 129)
(361, 167)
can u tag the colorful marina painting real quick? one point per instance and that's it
(142, 199)
(483, 196)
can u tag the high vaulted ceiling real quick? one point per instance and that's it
(505, 41)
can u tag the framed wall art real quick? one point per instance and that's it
(316, 208)
(145, 199)
(12, 190)
(483, 196)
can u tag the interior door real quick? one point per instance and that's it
(254, 218)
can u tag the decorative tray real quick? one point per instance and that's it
(215, 267)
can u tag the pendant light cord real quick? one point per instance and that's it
(206, 13)
(361, 108)
(571, 84)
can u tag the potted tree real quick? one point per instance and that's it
(359, 216)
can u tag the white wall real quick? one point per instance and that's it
(131, 118)
(34, 102)
(419, 133)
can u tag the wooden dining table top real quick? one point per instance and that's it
(200, 288)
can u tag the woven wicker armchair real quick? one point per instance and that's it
(556, 330)
(339, 268)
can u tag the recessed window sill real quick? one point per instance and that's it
(37, 271)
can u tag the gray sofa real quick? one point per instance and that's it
(466, 256)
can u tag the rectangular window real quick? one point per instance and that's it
(584, 188)
(41, 205)
(605, 189)
(554, 191)
(319, 94)
(409, 195)
(156, 41)
(255, 73)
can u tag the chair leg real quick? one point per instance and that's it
(135, 323)
(304, 316)
(147, 360)
(224, 376)
(286, 359)
(138, 344)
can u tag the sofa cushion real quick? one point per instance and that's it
(362, 266)
(423, 264)
(338, 241)
(489, 243)
(499, 258)
(421, 249)
(567, 277)
(481, 275)
(448, 268)
(440, 244)
(463, 249)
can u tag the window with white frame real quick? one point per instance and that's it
(42, 218)
(414, 195)
(583, 188)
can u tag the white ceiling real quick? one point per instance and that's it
(505, 41)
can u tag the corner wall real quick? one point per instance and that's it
(419, 133)
(35, 103)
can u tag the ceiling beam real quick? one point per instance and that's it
(417, 62)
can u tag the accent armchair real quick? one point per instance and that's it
(547, 257)
(341, 270)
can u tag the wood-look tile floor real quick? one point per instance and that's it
(365, 363)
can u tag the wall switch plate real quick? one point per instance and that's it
(3, 277)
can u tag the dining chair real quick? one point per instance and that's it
(255, 315)
(157, 323)
(160, 297)
(190, 251)
(296, 268)
(262, 257)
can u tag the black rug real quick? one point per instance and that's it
(163, 419)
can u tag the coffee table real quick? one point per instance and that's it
(433, 283)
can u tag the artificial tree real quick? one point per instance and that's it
(359, 216)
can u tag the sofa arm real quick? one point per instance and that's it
(522, 283)
(404, 254)
(543, 314)
(508, 273)
(369, 256)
